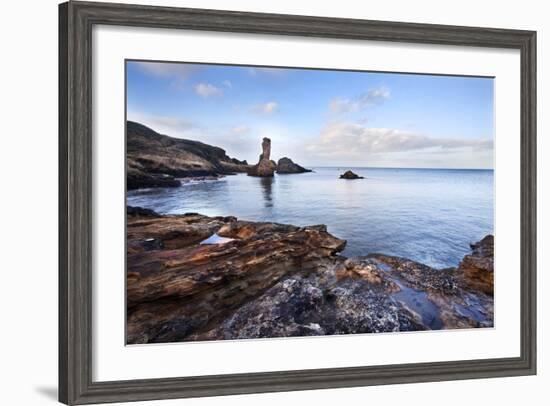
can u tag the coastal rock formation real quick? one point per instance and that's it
(477, 268)
(350, 175)
(139, 179)
(260, 279)
(440, 296)
(285, 165)
(265, 166)
(156, 160)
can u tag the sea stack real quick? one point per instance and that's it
(265, 167)
(350, 175)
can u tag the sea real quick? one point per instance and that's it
(427, 215)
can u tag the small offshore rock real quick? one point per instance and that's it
(350, 175)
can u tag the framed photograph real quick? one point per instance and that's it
(259, 202)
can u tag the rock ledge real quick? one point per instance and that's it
(260, 279)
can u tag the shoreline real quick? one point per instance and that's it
(279, 280)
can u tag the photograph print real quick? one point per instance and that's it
(271, 202)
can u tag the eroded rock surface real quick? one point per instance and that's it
(275, 280)
(477, 268)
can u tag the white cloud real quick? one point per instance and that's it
(370, 98)
(350, 142)
(206, 90)
(228, 84)
(266, 108)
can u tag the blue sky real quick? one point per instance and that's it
(319, 117)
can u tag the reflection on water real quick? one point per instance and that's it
(429, 216)
(267, 189)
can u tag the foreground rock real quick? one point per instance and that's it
(276, 280)
(442, 297)
(477, 268)
(285, 165)
(265, 166)
(350, 175)
(156, 160)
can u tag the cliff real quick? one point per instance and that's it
(156, 160)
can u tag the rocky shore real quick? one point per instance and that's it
(192, 277)
(156, 160)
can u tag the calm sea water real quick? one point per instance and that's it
(428, 215)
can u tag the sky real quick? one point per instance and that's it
(319, 117)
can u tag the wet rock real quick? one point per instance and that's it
(150, 244)
(463, 301)
(136, 179)
(477, 268)
(265, 167)
(140, 211)
(278, 280)
(200, 284)
(350, 175)
(285, 165)
(316, 304)
(417, 275)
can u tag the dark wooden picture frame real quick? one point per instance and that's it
(76, 20)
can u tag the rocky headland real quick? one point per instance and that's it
(156, 160)
(193, 277)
